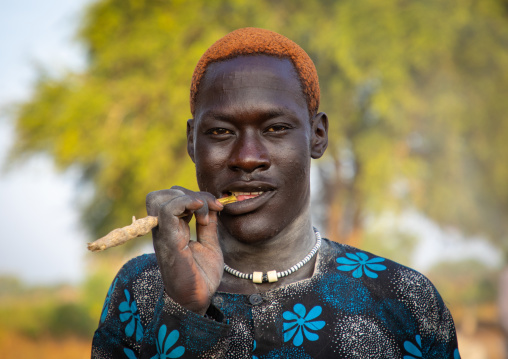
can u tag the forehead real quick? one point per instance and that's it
(252, 81)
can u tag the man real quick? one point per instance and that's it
(259, 282)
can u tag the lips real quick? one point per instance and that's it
(250, 195)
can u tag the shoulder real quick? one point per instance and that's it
(367, 293)
(364, 264)
(128, 307)
(139, 269)
(138, 287)
(371, 269)
(139, 264)
(389, 284)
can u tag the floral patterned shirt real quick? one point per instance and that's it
(355, 305)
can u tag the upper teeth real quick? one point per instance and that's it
(246, 193)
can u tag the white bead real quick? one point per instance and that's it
(257, 277)
(272, 276)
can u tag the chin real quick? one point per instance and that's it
(250, 231)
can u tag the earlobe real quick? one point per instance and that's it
(190, 139)
(319, 141)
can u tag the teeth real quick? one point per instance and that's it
(247, 193)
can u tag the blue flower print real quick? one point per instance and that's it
(129, 312)
(299, 324)
(130, 354)
(164, 344)
(456, 354)
(360, 262)
(105, 308)
(254, 348)
(415, 351)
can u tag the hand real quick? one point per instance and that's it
(191, 271)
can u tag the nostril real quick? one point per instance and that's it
(249, 165)
(249, 154)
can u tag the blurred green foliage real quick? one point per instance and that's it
(59, 311)
(465, 283)
(415, 91)
(70, 319)
(36, 312)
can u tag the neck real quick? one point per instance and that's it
(278, 253)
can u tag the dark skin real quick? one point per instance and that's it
(251, 134)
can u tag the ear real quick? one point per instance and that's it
(190, 139)
(319, 140)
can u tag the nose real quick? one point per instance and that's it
(249, 154)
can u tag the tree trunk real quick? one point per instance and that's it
(343, 212)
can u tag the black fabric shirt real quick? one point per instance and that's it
(356, 305)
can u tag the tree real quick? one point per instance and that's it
(122, 121)
(415, 93)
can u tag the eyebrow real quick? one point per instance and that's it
(219, 116)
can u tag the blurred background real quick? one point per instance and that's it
(93, 108)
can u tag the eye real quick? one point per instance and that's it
(219, 131)
(279, 128)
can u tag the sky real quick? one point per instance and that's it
(40, 236)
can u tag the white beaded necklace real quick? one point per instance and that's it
(273, 276)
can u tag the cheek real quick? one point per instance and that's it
(201, 178)
(296, 166)
(208, 158)
(210, 166)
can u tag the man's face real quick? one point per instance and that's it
(251, 136)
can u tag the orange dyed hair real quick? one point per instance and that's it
(252, 41)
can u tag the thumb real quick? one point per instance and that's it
(207, 234)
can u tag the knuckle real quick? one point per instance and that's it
(204, 209)
(165, 209)
(179, 189)
(175, 192)
(207, 196)
(151, 199)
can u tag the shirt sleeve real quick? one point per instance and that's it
(120, 330)
(444, 343)
(139, 320)
(434, 335)
(176, 332)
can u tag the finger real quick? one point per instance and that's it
(208, 234)
(200, 212)
(202, 215)
(182, 207)
(155, 199)
(210, 203)
(173, 232)
(209, 198)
